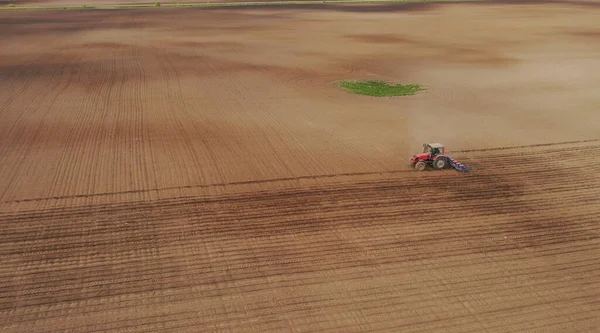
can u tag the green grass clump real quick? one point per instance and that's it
(380, 89)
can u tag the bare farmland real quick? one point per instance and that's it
(190, 170)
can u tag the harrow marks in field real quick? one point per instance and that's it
(345, 246)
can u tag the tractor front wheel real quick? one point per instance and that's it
(420, 166)
(440, 163)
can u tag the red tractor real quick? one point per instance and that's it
(433, 155)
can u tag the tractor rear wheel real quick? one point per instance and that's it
(420, 166)
(440, 163)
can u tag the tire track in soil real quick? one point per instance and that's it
(209, 229)
(274, 267)
(86, 210)
(294, 235)
(204, 154)
(446, 178)
(247, 265)
(299, 306)
(320, 305)
(192, 290)
(346, 258)
(185, 233)
(536, 145)
(557, 269)
(38, 112)
(101, 96)
(488, 244)
(75, 250)
(569, 223)
(506, 158)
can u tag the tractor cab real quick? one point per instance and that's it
(433, 149)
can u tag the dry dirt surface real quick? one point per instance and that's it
(103, 3)
(195, 170)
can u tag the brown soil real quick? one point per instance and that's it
(196, 170)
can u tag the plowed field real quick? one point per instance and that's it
(188, 170)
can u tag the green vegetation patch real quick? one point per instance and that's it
(380, 89)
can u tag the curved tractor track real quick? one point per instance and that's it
(511, 246)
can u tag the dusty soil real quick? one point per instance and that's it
(197, 170)
(53, 3)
